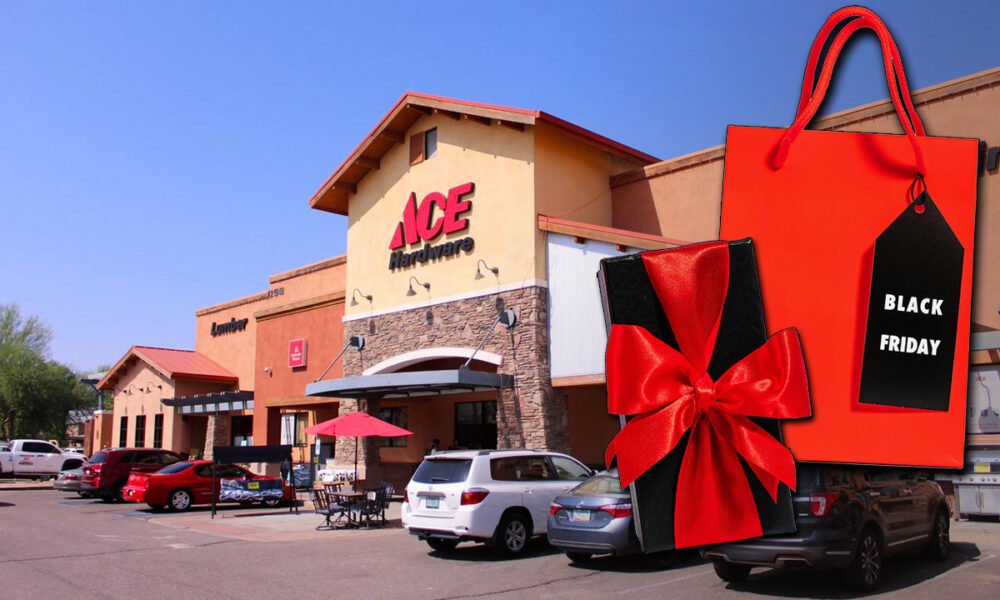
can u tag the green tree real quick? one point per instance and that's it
(36, 393)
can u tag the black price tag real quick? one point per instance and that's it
(909, 348)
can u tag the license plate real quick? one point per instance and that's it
(432, 502)
(579, 515)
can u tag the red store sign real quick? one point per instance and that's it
(296, 353)
(419, 225)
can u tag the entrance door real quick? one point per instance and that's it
(476, 425)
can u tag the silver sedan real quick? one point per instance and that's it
(594, 518)
(69, 481)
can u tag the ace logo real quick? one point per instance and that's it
(419, 225)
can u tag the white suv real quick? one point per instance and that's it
(500, 497)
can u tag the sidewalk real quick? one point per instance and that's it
(10, 485)
(272, 525)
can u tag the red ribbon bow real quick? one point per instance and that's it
(670, 393)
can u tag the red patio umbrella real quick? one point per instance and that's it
(357, 424)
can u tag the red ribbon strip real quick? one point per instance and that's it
(669, 393)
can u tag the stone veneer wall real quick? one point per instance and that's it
(217, 433)
(528, 416)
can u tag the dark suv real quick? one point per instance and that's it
(108, 470)
(850, 519)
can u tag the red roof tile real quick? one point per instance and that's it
(172, 363)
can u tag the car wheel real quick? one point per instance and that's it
(940, 543)
(579, 556)
(442, 545)
(512, 535)
(865, 571)
(730, 572)
(179, 500)
(84, 494)
(118, 495)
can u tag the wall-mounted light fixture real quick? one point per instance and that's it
(267, 371)
(356, 293)
(479, 270)
(410, 291)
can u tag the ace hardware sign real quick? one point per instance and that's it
(420, 225)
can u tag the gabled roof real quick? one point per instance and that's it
(171, 363)
(333, 195)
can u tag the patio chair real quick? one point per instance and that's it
(370, 508)
(388, 491)
(322, 505)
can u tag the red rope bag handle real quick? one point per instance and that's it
(856, 18)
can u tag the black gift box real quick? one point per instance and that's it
(629, 299)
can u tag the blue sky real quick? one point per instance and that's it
(159, 157)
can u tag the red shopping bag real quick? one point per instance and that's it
(864, 243)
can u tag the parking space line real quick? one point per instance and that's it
(666, 582)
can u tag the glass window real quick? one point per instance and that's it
(39, 448)
(122, 432)
(140, 431)
(168, 459)
(568, 469)
(520, 468)
(443, 470)
(203, 471)
(430, 143)
(476, 425)
(98, 458)
(147, 458)
(605, 483)
(158, 431)
(293, 428)
(397, 415)
(177, 467)
(229, 472)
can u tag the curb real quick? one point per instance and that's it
(19, 486)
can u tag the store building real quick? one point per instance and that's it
(458, 212)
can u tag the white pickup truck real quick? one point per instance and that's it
(36, 458)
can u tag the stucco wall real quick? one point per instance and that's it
(499, 161)
(683, 204)
(323, 331)
(591, 428)
(237, 351)
(234, 351)
(309, 281)
(131, 398)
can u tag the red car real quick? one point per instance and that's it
(184, 484)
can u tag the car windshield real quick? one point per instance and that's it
(98, 458)
(443, 470)
(600, 484)
(174, 468)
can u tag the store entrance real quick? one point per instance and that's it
(476, 425)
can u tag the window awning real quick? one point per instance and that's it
(409, 384)
(211, 403)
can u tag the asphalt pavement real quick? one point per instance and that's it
(55, 545)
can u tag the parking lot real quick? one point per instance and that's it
(55, 545)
